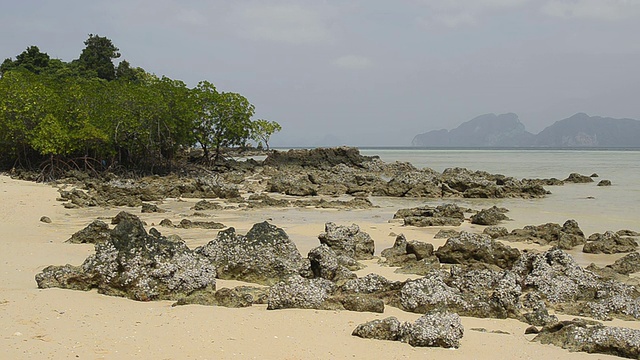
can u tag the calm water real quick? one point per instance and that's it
(596, 209)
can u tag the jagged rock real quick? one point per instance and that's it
(561, 282)
(604, 183)
(360, 303)
(480, 184)
(443, 215)
(627, 233)
(45, 219)
(578, 179)
(436, 329)
(348, 241)
(95, 233)
(496, 231)
(300, 293)
(468, 248)
(203, 205)
(414, 183)
(412, 257)
(565, 237)
(609, 243)
(579, 335)
(134, 264)
(151, 208)
(491, 216)
(188, 224)
(626, 265)
(239, 296)
(323, 158)
(446, 233)
(325, 263)
(264, 256)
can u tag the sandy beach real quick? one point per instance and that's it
(64, 324)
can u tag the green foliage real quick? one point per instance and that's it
(52, 112)
(97, 58)
(261, 131)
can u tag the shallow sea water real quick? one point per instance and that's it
(596, 208)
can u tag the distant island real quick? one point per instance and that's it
(506, 130)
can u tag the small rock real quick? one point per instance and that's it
(45, 219)
(604, 183)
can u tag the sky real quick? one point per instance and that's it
(365, 72)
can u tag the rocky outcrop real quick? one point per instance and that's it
(412, 257)
(490, 216)
(446, 233)
(558, 280)
(326, 264)
(188, 224)
(265, 255)
(348, 241)
(442, 215)
(460, 182)
(323, 158)
(95, 233)
(578, 178)
(567, 236)
(626, 265)
(592, 337)
(468, 248)
(609, 243)
(136, 265)
(436, 329)
(496, 231)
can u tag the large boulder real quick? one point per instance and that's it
(590, 337)
(609, 243)
(468, 248)
(348, 241)
(436, 329)
(265, 255)
(326, 264)
(136, 265)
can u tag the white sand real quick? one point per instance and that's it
(65, 324)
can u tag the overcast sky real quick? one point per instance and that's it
(365, 72)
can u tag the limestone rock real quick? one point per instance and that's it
(95, 233)
(491, 216)
(469, 248)
(348, 240)
(609, 243)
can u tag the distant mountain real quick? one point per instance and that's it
(506, 130)
(582, 130)
(488, 130)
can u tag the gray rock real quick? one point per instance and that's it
(325, 263)
(151, 208)
(95, 233)
(443, 215)
(604, 183)
(579, 335)
(436, 329)
(45, 219)
(626, 265)
(491, 216)
(609, 243)
(565, 237)
(578, 179)
(300, 293)
(348, 241)
(134, 264)
(446, 233)
(265, 255)
(496, 231)
(468, 248)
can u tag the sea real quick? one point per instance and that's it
(595, 208)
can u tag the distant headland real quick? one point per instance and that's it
(506, 130)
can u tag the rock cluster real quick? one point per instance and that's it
(609, 243)
(442, 215)
(468, 248)
(490, 216)
(137, 265)
(566, 237)
(348, 241)
(441, 329)
(412, 257)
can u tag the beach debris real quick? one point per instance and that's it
(265, 255)
(592, 337)
(348, 241)
(490, 216)
(566, 237)
(434, 329)
(468, 248)
(442, 215)
(95, 233)
(609, 243)
(136, 265)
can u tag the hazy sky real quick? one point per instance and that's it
(365, 72)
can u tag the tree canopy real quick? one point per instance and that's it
(90, 112)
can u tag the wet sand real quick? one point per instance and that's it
(64, 324)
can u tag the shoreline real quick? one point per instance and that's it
(56, 323)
